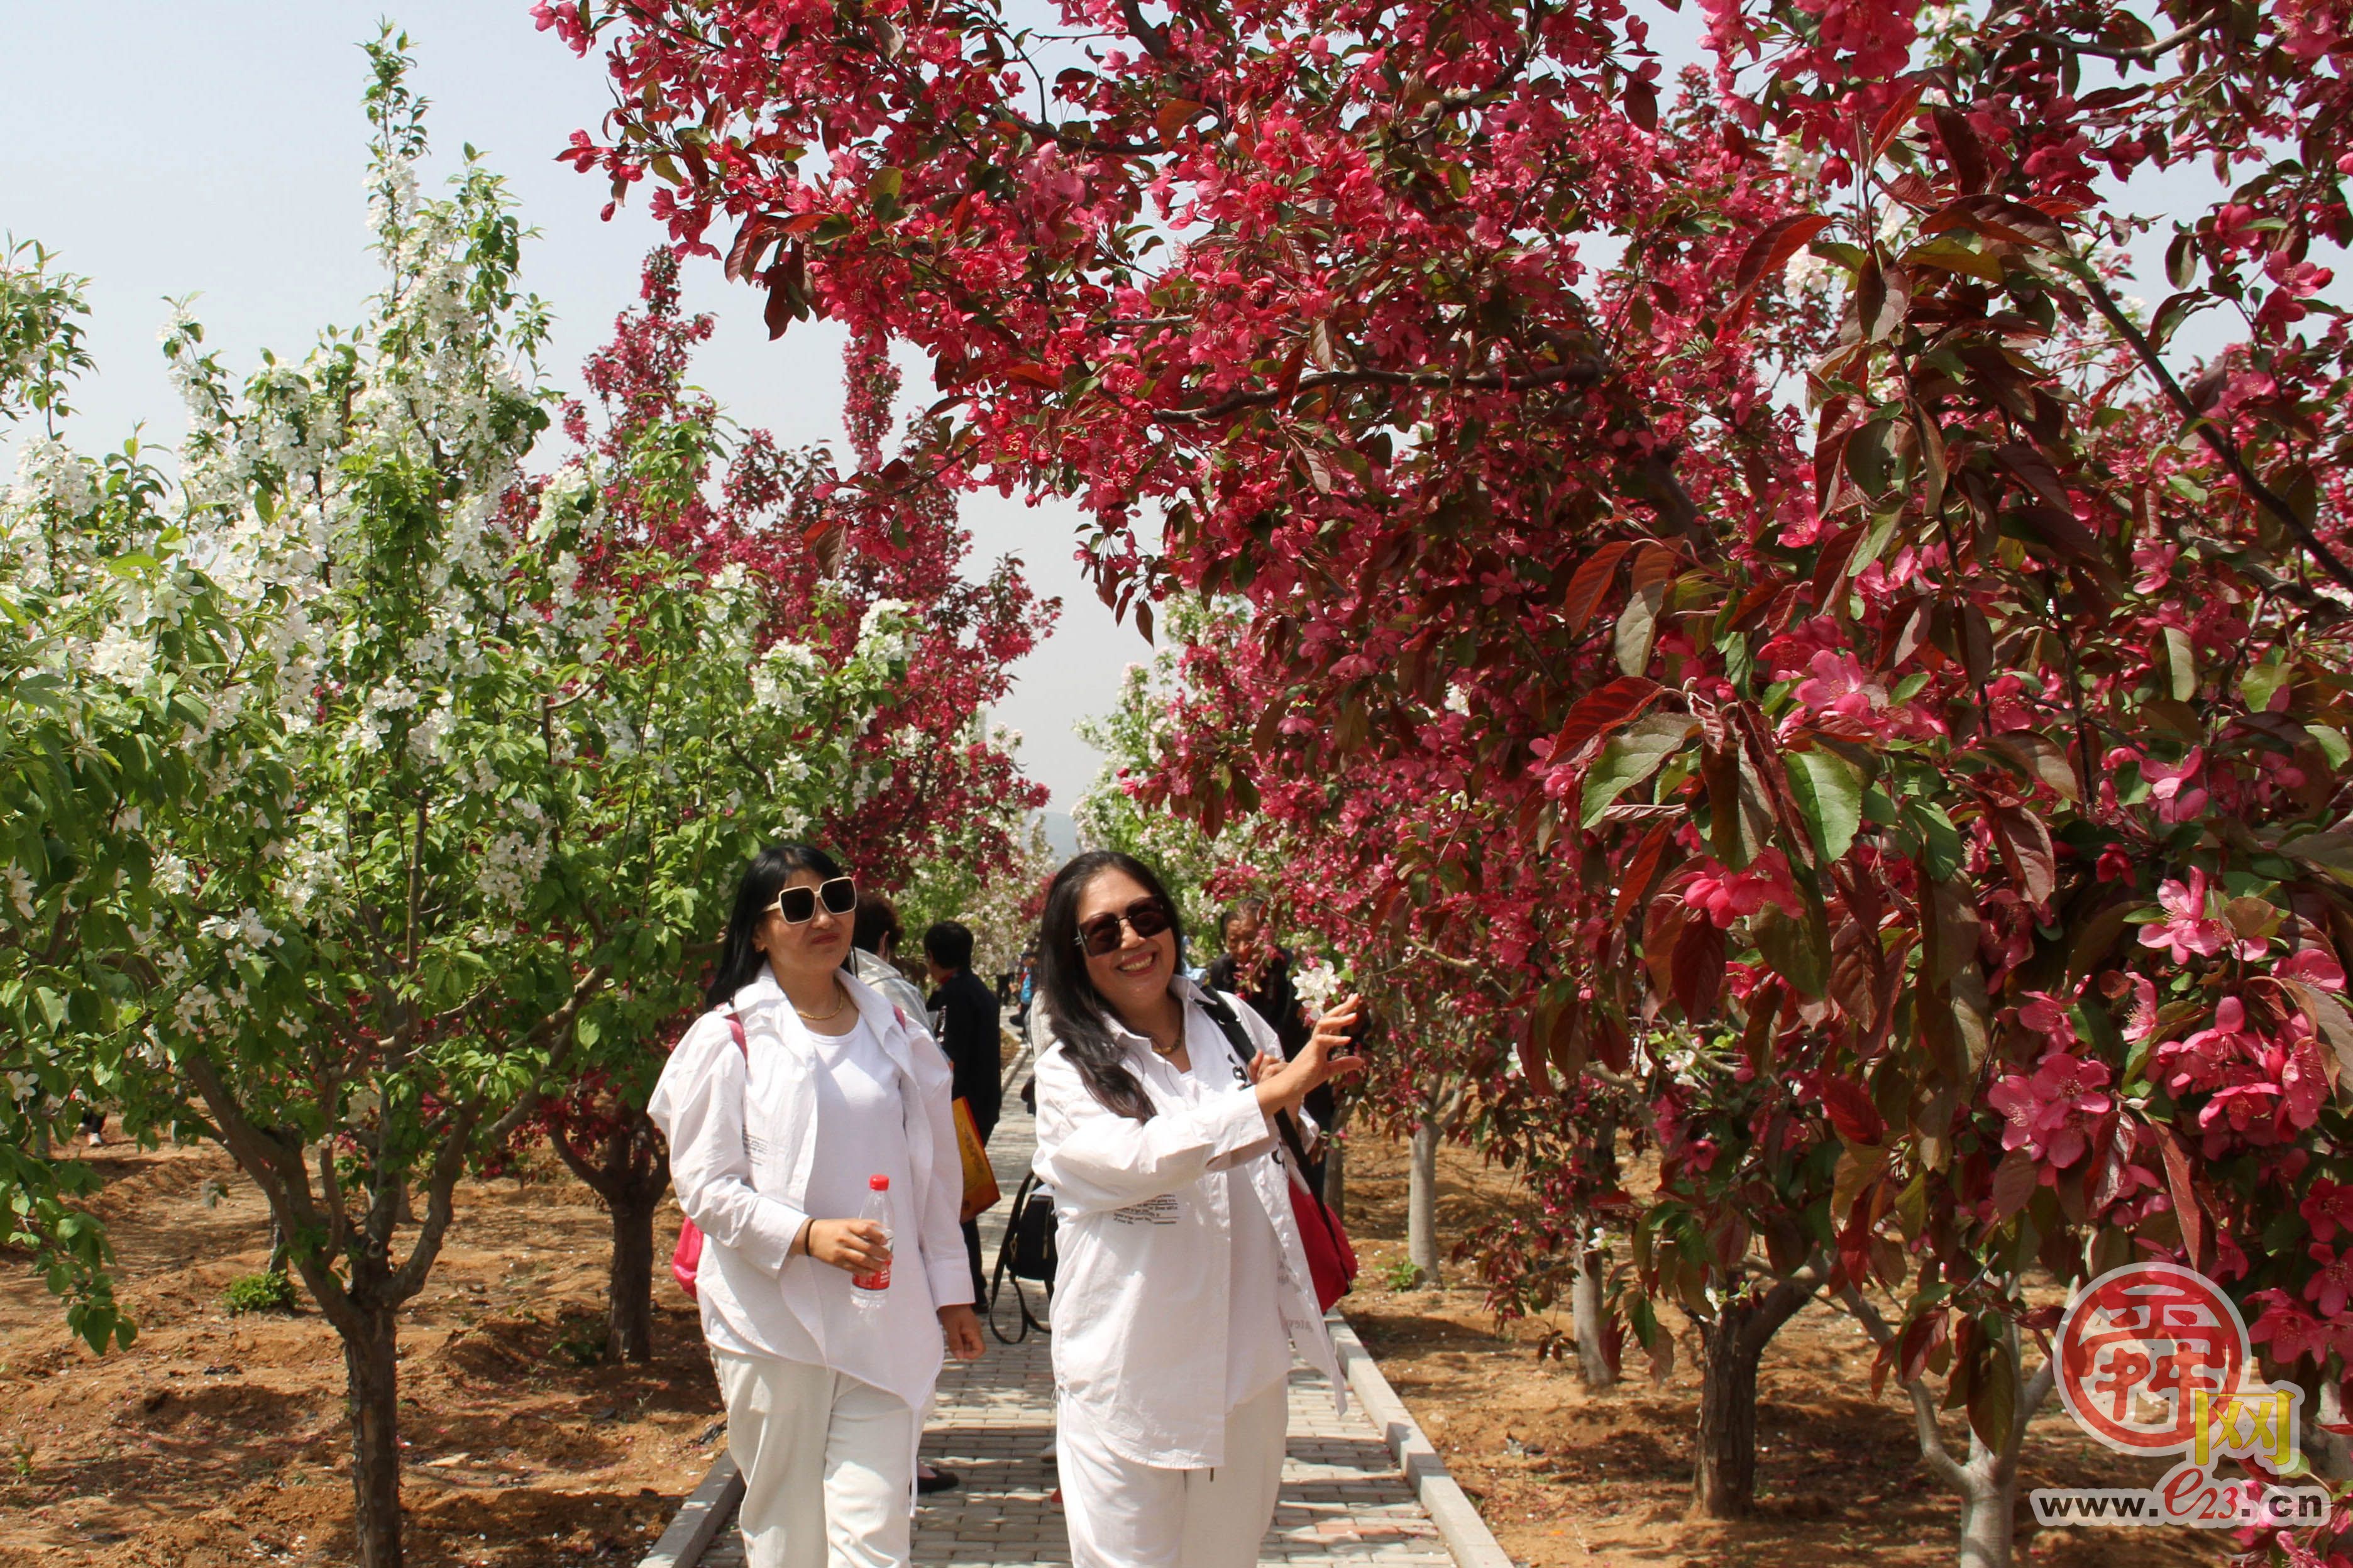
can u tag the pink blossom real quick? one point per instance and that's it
(2047, 1016)
(2328, 1207)
(2141, 1021)
(2169, 786)
(2048, 1113)
(2185, 929)
(2290, 1331)
(2329, 1287)
(2201, 1061)
(2311, 966)
(1725, 896)
(1837, 686)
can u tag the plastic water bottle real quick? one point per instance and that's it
(866, 1290)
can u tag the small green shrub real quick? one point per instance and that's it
(263, 1292)
(580, 1339)
(1402, 1274)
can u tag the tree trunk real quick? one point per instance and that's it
(1724, 1476)
(1988, 1508)
(1421, 1203)
(2326, 1447)
(630, 1285)
(1590, 1316)
(629, 1173)
(371, 1374)
(1987, 1481)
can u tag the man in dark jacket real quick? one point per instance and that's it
(965, 1017)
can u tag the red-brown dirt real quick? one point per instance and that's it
(1604, 1478)
(217, 1439)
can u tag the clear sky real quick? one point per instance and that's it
(216, 148)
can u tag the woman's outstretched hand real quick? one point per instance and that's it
(1326, 1056)
(962, 1330)
(856, 1246)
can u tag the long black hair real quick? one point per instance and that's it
(1080, 1016)
(763, 878)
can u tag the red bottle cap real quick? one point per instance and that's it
(877, 1184)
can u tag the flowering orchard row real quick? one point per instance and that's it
(1727, 602)
(369, 794)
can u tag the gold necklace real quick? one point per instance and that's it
(841, 1000)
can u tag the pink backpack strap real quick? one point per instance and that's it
(735, 1027)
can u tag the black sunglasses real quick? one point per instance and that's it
(1147, 918)
(797, 904)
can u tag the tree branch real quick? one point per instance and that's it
(2144, 54)
(2222, 447)
(1784, 1301)
(1583, 372)
(450, 1162)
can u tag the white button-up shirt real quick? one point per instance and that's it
(744, 1142)
(1145, 1292)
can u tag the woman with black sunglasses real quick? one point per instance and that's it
(798, 1095)
(1183, 1286)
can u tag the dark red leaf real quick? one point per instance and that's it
(1770, 251)
(1699, 968)
(1602, 711)
(2027, 844)
(1848, 1105)
(1962, 149)
(1643, 104)
(2014, 1180)
(1592, 582)
(1639, 874)
(2186, 1211)
(1896, 116)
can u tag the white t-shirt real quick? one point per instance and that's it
(861, 1133)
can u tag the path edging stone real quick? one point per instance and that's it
(707, 1508)
(1466, 1534)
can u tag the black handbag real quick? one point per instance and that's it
(1027, 1252)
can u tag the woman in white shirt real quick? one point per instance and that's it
(1183, 1286)
(771, 1148)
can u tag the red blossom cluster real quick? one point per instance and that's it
(1776, 657)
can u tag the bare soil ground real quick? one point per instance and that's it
(217, 1439)
(1571, 1480)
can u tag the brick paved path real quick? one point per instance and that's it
(1343, 1501)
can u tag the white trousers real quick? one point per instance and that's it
(1126, 1515)
(829, 1463)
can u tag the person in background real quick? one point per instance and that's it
(1254, 968)
(776, 1134)
(873, 958)
(970, 1033)
(1026, 988)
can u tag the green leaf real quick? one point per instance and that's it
(2182, 661)
(1632, 755)
(1828, 792)
(1940, 840)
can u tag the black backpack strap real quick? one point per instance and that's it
(1245, 1049)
